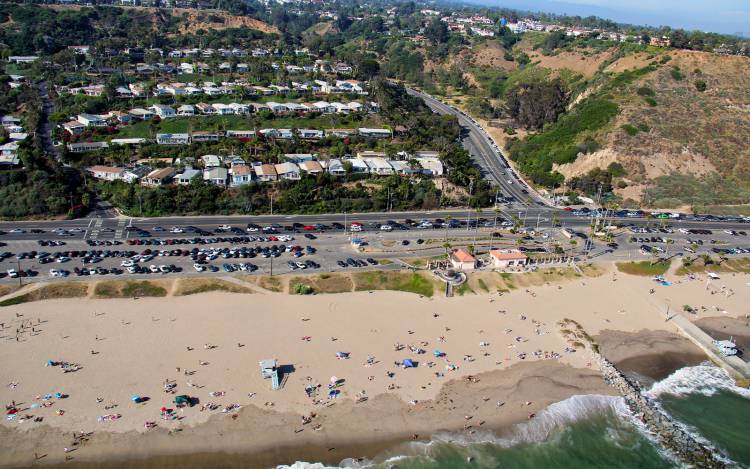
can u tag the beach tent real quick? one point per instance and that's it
(183, 399)
(342, 355)
(408, 363)
(438, 353)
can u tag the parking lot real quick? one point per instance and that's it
(278, 249)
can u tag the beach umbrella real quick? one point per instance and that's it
(408, 363)
(334, 380)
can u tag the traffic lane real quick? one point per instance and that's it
(242, 220)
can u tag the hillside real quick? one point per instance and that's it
(678, 122)
(189, 19)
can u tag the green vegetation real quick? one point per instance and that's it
(643, 268)
(399, 281)
(558, 143)
(194, 286)
(128, 289)
(630, 129)
(536, 103)
(679, 189)
(676, 73)
(49, 292)
(700, 85)
(323, 283)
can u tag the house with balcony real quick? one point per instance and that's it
(158, 177)
(288, 171)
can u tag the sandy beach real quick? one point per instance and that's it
(504, 360)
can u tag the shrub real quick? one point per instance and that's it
(665, 59)
(651, 102)
(643, 128)
(676, 74)
(301, 289)
(645, 91)
(616, 169)
(700, 85)
(630, 129)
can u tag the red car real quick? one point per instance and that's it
(308, 228)
(568, 209)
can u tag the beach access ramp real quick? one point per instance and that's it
(735, 365)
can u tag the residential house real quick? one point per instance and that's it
(241, 175)
(186, 110)
(74, 127)
(9, 154)
(164, 112)
(350, 86)
(158, 177)
(142, 114)
(461, 259)
(187, 175)
(187, 68)
(204, 108)
(341, 133)
(217, 176)
(106, 173)
(335, 166)
(223, 109)
(173, 139)
(403, 168)
(240, 134)
(90, 120)
(83, 147)
(277, 108)
(240, 109)
(504, 258)
(288, 171)
(127, 141)
(310, 134)
(284, 134)
(378, 166)
(323, 107)
(118, 117)
(431, 166)
(205, 137)
(131, 175)
(374, 133)
(298, 157)
(211, 161)
(358, 165)
(265, 172)
(311, 167)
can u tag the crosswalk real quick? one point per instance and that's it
(93, 231)
(120, 228)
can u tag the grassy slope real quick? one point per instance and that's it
(698, 134)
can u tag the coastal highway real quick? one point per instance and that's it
(114, 228)
(485, 154)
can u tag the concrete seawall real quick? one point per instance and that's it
(735, 366)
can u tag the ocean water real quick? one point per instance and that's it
(592, 432)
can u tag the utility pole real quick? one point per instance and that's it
(271, 204)
(271, 266)
(18, 265)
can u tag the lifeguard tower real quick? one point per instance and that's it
(270, 369)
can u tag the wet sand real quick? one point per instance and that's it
(651, 354)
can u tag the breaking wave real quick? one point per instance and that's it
(701, 379)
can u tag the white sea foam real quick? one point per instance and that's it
(555, 417)
(306, 465)
(702, 379)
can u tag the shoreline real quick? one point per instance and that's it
(350, 430)
(511, 346)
